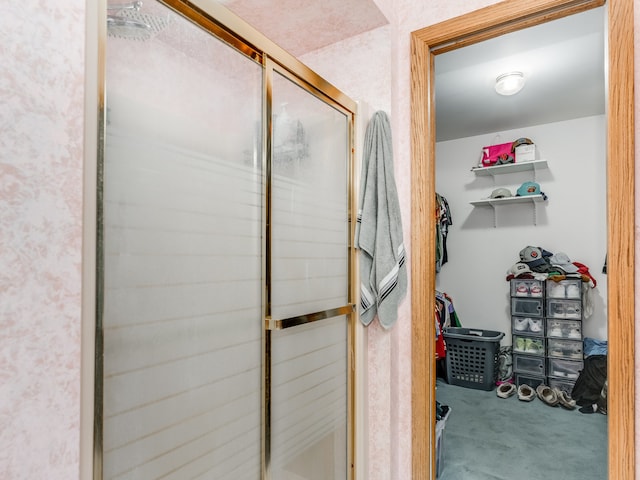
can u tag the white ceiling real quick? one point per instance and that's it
(563, 62)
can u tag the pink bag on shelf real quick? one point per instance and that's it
(497, 155)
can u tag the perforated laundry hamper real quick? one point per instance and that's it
(472, 357)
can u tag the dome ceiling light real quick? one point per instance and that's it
(509, 83)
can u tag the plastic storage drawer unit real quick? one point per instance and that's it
(560, 348)
(528, 345)
(568, 329)
(527, 307)
(529, 365)
(562, 384)
(569, 309)
(528, 326)
(569, 288)
(564, 369)
(472, 357)
(440, 424)
(527, 288)
(532, 380)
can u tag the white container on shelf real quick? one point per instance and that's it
(525, 153)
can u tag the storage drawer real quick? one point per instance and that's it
(570, 288)
(532, 380)
(569, 309)
(562, 384)
(564, 369)
(527, 307)
(528, 325)
(529, 364)
(560, 348)
(569, 329)
(527, 288)
(528, 345)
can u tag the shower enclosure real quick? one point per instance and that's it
(225, 289)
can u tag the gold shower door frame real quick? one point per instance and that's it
(223, 24)
(272, 322)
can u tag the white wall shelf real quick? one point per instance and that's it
(492, 202)
(510, 168)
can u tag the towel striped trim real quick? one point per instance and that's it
(390, 281)
(366, 298)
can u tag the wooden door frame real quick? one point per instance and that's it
(489, 22)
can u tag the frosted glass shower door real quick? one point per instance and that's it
(182, 247)
(309, 285)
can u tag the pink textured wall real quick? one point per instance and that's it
(41, 136)
(41, 118)
(389, 352)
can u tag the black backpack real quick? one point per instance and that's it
(588, 387)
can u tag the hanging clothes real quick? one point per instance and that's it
(383, 275)
(443, 221)
(446, 317)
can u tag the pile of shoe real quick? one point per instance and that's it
(555, 396)
(551, 396)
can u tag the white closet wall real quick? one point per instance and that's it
(483, 244)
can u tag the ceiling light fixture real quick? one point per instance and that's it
(509, 83)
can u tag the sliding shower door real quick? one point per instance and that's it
(182, 312)
(224, 304)
(309, 256)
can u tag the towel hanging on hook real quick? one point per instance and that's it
(383, 275)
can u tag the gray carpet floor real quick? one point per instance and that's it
(491, 438)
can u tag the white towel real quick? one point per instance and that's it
(383, 275)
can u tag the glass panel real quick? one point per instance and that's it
(309, 401)
(310, 152)
(182, 254)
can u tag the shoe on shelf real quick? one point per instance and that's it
(535, 325)
(557, 311)
(521, 344)
(526, 393)
(533, 346)
(557, 290)
(521, 324)
(573, 291)
(535, 290)
(547, 395)
(556, 351)
(555, 330)
(505, 390)
(575, 333)
(522, 290)
(529, 346)
(565, 399)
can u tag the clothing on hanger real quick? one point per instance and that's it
(443, 221)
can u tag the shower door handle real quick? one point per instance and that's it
(273, 324)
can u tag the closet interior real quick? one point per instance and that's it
(521, 244)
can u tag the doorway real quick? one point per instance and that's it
(469, 29)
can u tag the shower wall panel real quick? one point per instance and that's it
(182, 259)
